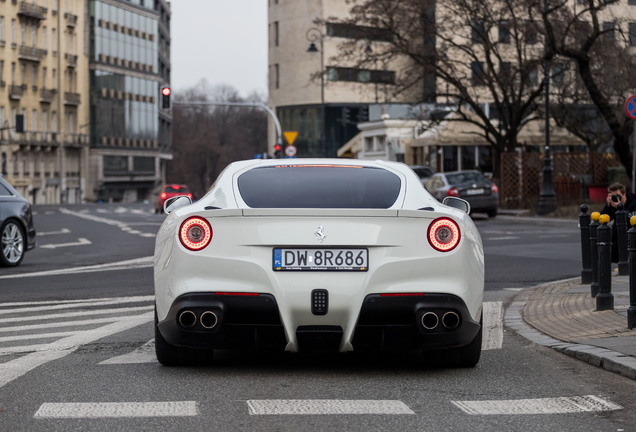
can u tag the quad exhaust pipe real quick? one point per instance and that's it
(431, 320)
(208, 319)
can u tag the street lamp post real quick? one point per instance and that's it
(314, 35)
(547, 197)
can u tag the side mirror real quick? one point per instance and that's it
(457, 203)
(175, 203)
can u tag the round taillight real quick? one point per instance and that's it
(195, 233)
(443, 234)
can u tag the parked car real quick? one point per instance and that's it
(17, 233)
(169, 191)
(424, 172)
(472, 186)
(318, 254)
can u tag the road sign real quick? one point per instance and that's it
(290, 151)
(290, 137)
(630, 107)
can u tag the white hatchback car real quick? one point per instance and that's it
(318, 254)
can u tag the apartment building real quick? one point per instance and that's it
(130, 132)
(314, 93)
(43, 95)
(80, 112)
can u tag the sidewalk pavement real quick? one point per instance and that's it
(562, 315)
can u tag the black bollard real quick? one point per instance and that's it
(594, 252)
(604, 298)
(631, 246)
(621, 239)
(586, 254)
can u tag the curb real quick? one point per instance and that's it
(604, 358)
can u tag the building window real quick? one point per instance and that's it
(276, 40)
(478, 32)
(360, 75)
(277, 76)
(351, 31)
(477, 73)
(558, 72)
(505, 71)
(1, 29)
(13, 31)
(632, 34)
(609, 28)
(504, 31)
(631, 2)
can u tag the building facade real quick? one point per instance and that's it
(43, 95)
(312, 93)
(130, 133)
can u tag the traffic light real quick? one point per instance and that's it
(165, 97)
(278, 151)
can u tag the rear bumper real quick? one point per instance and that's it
(384, 322)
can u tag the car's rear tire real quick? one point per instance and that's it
(12, 244)
(170, 355)
(470, 354)
(464, 357)
(492, 212)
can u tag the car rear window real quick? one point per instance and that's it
(177, 189)
(465, 177)
(322, 186)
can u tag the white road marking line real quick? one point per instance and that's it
(36, 336)
(87, 301)
(122, 310)
(502, 238)
(121, 225)
(493, 326)
(30, 327)
(556, 405)
(143, 354)
(62, 231)
(21, 349)
(118, 409)
(51, 306)
(80, 242)
(326, 406)
(121, 265)
(16, 368)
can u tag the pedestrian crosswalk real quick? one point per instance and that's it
(35, 333)
(35, 327)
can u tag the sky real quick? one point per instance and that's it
(224, 42)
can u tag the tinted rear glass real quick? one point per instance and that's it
(177, 189)
(319, 187)
(465, 177)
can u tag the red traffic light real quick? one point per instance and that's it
(166, 91)
(277, 147)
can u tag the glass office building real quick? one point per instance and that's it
(129, 131)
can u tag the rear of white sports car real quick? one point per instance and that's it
(317, 255)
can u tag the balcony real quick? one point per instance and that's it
(71, 60)
(71, 98)
(32, 10)
(47, 96)
(31, 53)
(71, 20)
(15, 92)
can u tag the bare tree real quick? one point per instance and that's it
(466, 52)
(591, 37)
(208, 138)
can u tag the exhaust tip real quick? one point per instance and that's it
(187, 319)
(450, 320)
(430, 320)
(209, 319)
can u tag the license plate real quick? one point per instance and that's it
(333, 259)
(474, 191)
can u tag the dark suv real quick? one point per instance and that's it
(17, 233)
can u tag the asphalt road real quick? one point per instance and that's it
(106, 378)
